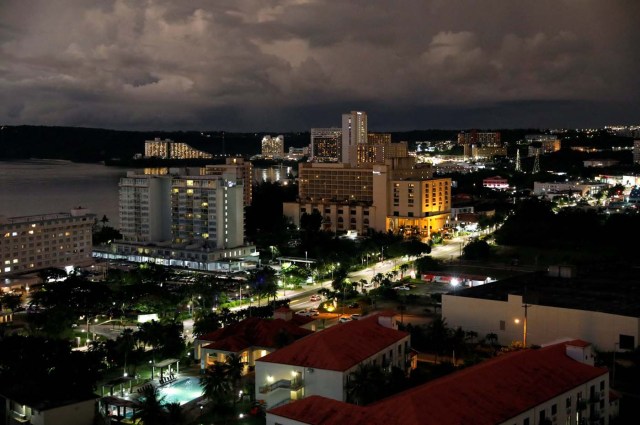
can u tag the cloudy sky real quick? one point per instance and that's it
(287, 65)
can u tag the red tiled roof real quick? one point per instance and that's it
(489, 393)
(339, 347)
(318, 410)
(251, 332)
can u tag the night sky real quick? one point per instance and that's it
(289, 65)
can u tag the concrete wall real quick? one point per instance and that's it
(544, 323)
(326, 383)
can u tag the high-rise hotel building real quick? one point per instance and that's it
(273, 147)
(397, 195)
(42, 241)
(182, 218)
(326, 144)
(354, 131)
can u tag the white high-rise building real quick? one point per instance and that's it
(145, 207)
(182, 218)
(354, 131)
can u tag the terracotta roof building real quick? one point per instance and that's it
(319, 364)
(557, 383)
(250, 339)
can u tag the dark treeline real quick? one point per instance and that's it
(95, 144)
(534, 224)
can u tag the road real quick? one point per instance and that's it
(300, 297)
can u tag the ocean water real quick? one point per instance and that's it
(41, 186)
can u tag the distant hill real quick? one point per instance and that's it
(94, 144)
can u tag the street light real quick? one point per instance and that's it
(88, 330)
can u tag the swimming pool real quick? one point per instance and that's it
(182, 391)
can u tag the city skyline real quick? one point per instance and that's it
(291, 65)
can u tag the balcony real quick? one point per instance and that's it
(290, 384)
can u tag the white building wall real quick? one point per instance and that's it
(76, 414)
(568, 413)
(326, 383)
(544, 323)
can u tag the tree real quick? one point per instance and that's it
(311, 223)
(365, 384)
(477, 250)
(234, 366)
(215, 385)
(10, 301)
(150, 408)
(175, 414)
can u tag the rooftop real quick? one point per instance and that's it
(616, 292)
(339, 347)
(252, 332)
(489, 393)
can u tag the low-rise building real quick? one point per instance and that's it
(68, 412)
(37, 242)
(250, 339)
(320, 364)
(599, 307)
(557, 384)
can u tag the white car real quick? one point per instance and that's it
(344, 319)
(402, 288)
(303, 312)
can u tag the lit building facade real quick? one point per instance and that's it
(636, 151)
(377, 153)
(187, 219)
(273, 147)
(326, 144)
(145, 207)
(168, 149)
(354, 131)
(235, 169)
(541, 144)
(42, 241)
(207, 209)
(419, 207)
(362, 198)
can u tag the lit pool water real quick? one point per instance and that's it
(182, 391)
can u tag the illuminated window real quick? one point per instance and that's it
(189, 182)
(189, 191)
(7, 269)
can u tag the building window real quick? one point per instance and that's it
(568, 403)
(601, 385)
(626, 342)
(554, 409)
(526, 421)
(502, 325)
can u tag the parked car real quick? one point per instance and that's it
(344, 319)
(315, 298)
(402, 288)
(303, 312)
(355, 316)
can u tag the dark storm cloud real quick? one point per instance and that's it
(293, 64)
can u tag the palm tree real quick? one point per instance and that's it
(175, 415)
(150, 410)
(234, 367)
(215, 385)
